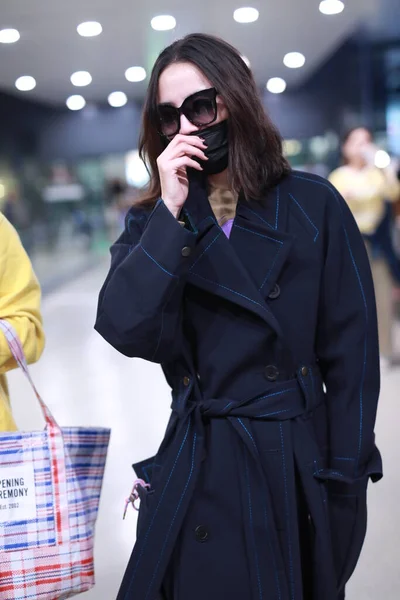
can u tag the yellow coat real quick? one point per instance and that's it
(20, 305)
(366, 191)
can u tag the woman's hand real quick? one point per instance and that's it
(172, 165)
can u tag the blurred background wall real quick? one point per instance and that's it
(74, 173)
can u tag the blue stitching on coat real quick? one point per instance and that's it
(261, 219)
(174, 517)
(157, 263)
(252, 529)
(276, 255)
(265, 516)
(343, 458)
(233, 291)
(328, 471)
(271, 269)
(227, 406)
(259, 234)
(145, 470)
(276, 394)
(156, 510)
(306, 215)
(211, 218)
(249, 434)
(206, 250)
(278, 190)
(278, 412)
(147, 467)
(336, 196)
(287, 511)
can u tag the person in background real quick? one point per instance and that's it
(20, 306)
(250, 284)
(115, 209)
(369, 191)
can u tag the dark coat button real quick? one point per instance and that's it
(186, 381)
(275, 292)
(201, 534)
(271, 373)
(186, 251)
(304, 371)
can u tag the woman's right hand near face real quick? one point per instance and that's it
(172, 167)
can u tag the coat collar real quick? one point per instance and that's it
(244, 268)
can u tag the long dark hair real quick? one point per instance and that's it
(256, 160)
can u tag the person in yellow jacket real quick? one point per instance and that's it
(19, 305)
(367, 190)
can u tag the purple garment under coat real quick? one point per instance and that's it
(227, 228)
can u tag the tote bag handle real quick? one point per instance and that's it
(17, 351)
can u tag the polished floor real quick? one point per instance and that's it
(86, 382)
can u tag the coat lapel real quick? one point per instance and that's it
(244, 268)
(259, 238)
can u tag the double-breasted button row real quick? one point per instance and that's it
(275, 292)
(271, 372)
(201, 534)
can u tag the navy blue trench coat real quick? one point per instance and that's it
(269, 343)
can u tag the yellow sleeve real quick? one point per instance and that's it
(19, 298)
(338, 180)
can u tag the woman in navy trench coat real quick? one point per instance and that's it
(267, 336)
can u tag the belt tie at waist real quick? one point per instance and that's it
(177, 481)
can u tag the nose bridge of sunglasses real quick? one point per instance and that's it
(185, 126)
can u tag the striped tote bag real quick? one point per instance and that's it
(50, 485)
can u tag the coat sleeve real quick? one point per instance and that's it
(19, 298)
(347, 347)
(139, 309)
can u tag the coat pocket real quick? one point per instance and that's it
(347, 511)
(145, 495)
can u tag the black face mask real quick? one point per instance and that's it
(217, 151)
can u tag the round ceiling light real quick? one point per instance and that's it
(163, 22)
(247, 14)
(135, 74)
(294, 60)
(89, 29)
(276, 85)
(117, 99)
(26, 83)
(331, 7)
(81, 78)
(9, 36)
(76, 102)
(135, 170)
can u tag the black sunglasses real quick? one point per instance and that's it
(199, 108)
